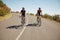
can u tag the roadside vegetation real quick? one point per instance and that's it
(15, 12)
(4, 9)
(31, 14)
(54, 17)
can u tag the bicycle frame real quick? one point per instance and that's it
(22, 20)
(39, 20)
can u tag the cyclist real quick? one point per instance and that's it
(39, 11)
(23, 11)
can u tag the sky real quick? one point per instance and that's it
(50, 7)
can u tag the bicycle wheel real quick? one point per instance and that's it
(39, 20)
(22, 21)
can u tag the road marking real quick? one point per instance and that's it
(20, 33)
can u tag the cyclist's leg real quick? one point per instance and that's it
(22, 20)
(39, 20)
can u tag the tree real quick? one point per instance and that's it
(3, 9)
(47, 16)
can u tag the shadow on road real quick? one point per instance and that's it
(20, 26)
(32, 25)
(14, 26)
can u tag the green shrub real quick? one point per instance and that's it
(2, 12)
(31, 14)
(3, 9)
(56, 18)
(47, 16)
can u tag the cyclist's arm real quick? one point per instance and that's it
(20, 14)
(41, 13)
(37, 13)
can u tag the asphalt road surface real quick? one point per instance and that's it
(11, 29)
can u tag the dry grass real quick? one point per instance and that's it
(2, 18)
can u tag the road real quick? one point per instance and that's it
(11, 29)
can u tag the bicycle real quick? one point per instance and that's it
(39, 20)
(22, 20)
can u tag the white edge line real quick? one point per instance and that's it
(20, 33)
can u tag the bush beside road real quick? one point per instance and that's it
(55, 17)
(4, 9)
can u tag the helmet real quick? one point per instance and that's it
(23, 8)
(39, 8)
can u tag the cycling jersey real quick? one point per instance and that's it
(23, 12)
(39, 12)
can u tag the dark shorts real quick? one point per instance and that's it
(38, 14)
(23, 15)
